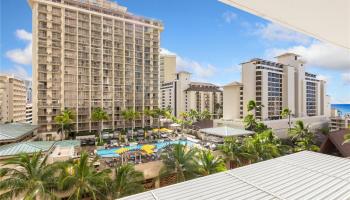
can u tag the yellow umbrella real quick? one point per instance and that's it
(148, 148)
(121, 150)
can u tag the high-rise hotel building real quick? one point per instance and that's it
(275, 86)
(89, 54)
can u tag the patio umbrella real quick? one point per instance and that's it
(148, 148)
(121, 150)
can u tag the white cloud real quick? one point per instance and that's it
(234, 68)
(324, 77)
(200, 71)
(346, 77)
(166, 52)
(23, 35)
(276, 32)
(229, 16)
(22, 55)
(318, 54)
(18, 71)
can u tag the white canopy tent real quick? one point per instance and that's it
(324, 20)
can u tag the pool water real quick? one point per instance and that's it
(112, 152)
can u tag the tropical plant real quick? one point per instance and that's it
(264, 146)
(250, 122)
(194, 115)
(65, 120)
(207, 163)
(286, 112)
(32, 178)
(98, 114)
(127, 181)
(179, 160)
(185, 120)
(131, 115)
(300, 131)
(205, 115)
(81, 179)
(252, 105)
(234, 151)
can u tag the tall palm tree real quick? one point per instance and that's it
(205, 114)
(250, 122)
(81, 179)
(127, 181)
(98, 114)
(131, 115)
(300, 131)
(252, 105)
(32, 178)
(65, 120)
(207, 163)
(286, 112)
(179, 159)
(234, 151)
(194, 115)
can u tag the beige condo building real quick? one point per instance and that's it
(89, 54)
(167, 68)
(183, 95)
(12, 99)
(276, 85)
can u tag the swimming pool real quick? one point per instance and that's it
(159, 145)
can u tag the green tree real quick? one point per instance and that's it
(234, 151)
(179, 160)
(81, 179)
(250, 122)
(127, 181)
(32, 178)
(65, 120)
(205, 114)
(252, 105)
(286, 112)
(98, 115)
(131, 115)
(207, 163)
(300, 131)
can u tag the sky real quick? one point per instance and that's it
(210, 40)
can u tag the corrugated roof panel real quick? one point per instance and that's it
(304, 175)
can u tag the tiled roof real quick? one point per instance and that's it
(304, 175)
(15, 130)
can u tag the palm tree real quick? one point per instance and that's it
(81, 179)
(194, 115)
(286, 112)
(185, 120)
(131, 115)
(65, 120)
(300, 131)
(179, 159)
(127, 181)
(32, 179)
(207, 163)
(205, 114)
(234, 151)
(250, 122)
(98, 114)
(252, 105)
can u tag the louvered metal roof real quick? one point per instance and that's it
(15, 130)
(304, 175)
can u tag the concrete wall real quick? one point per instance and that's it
(231, 102)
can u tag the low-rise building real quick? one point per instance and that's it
(16, 132)
(183, 95)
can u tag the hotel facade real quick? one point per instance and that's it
(183, 95)
(89, 54)
(275, 86)
(12, 99)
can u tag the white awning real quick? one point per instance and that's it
(324, 20)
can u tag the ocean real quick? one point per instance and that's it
(344, 108)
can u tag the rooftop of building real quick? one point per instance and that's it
(34, 146)
(335, 143)
(226, 131)
(234, 83)
(12, 131)
(204, 87)
(303, 175)
(106, 7)
(264, 62)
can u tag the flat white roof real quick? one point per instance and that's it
(226, 131)
(305, 175)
